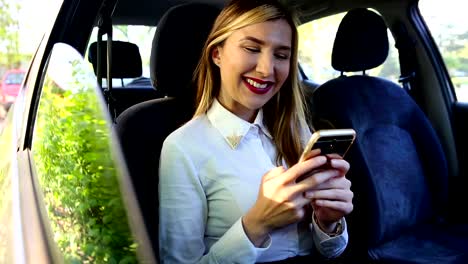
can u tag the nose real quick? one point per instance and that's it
(265, 65)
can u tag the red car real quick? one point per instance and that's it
(10, 85)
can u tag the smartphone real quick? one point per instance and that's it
(329, 141)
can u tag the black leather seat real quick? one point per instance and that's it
(142, 128)
(398, 167)
(126, 59)
(126, 63)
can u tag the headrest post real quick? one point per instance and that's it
(109, 60)
(98, 59)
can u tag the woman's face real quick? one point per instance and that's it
(254, 62)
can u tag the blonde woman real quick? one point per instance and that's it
(228, 189)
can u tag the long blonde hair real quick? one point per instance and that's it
(284, 113)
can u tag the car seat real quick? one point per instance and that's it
(142, 128)
(126, 63)
(398, 167)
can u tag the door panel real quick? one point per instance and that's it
(460, 121)
(449, 32)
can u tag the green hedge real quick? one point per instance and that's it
(78, 176)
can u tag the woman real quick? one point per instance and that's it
(228, 189)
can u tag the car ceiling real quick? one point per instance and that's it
(148, 12)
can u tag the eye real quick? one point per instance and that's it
(252, 49)
(282, 56)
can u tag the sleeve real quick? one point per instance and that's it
(329, 247)
(183, 216)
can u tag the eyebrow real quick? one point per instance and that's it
(261, 42)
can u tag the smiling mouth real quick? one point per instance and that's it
(257, 86)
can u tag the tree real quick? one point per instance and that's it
(9, 38)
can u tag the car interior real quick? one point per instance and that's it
(398, 165)
(127, 64)
(143, 127)
(407, 165)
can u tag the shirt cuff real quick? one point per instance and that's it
(235, 247)
(330, 247)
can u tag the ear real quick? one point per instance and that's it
(215, 55)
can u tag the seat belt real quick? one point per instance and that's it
(406, 55)
(105, 27)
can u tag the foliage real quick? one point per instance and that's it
(454, 49)
(9, 39)
(446, 21)
(78, 176)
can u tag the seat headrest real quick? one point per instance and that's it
(361, 41)
(126, 59)
(177, 46)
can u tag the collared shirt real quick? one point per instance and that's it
(210, 172)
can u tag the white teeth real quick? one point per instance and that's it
(256, 84)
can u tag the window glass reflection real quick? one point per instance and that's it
(6, 185)
(76, 170)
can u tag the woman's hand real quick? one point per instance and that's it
(281, 199)
(332, 199)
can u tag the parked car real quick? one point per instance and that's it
(10, 86)
(79, 159)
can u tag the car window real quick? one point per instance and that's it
(7, 147)
(447, 23)
(78, 167)
(14, 78)
(142, 36)
(315, 49)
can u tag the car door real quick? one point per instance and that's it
(445, 33)
(69, 195)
